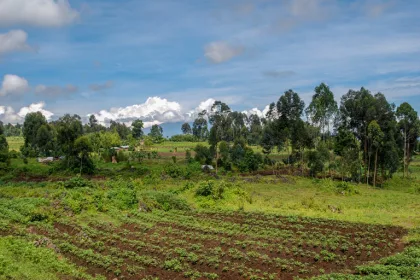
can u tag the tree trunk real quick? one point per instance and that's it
(376, 162)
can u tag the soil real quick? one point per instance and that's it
(164, 236)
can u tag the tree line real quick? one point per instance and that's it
(364, 138)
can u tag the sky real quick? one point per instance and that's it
(163, 61)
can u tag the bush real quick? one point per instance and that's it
(163, 200)
(346, 188)
(203, 154)
(173, 170)
(183, 138)
(76, 182)
(123, 195)
(122, 156)
(210, 188)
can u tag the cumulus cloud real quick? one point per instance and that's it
(14, 41)
(154, 110)
(256, 111)
(218, 52)
(13, 84)
(99, 87)
(8, 114)
(278, 74)
(49, 13)
(55, 91)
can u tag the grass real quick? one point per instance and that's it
(15, 142)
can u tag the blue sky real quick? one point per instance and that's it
(163, 60)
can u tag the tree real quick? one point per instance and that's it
(83, 148)
(186, 128)
(69, 128)
(137, 129)
(357, 110)
(4, 149)
(375, 136)
(44, 140)
(33, 121)
(322, 108)
(121, 128)
(290, 106)
(156, 132)
(200, 129)
(255, 130)
(409, 127)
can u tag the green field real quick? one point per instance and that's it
(15, 142)
(158, 220)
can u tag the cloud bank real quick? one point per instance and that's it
(46, 13)
(8, 114)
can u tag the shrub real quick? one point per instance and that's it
(210, 188)
(173, 170)
(123, 195)
(163, 200)
(346, 188)
(76, 182)
(122, 156)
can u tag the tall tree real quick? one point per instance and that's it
(44, 139)
(4, 149)
(255, 130)
(357, 110)
(186, 128)
(156, 132)
(33, 121)
(322, 108)
(121, 128)
(137, 129)
(200, 126)
(409, 127)
(69, 128)
(375, 136)
(290, 106)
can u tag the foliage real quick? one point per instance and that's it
(163, 200)
(77, 182)
(156, 133)
(183, 138)
(203, 154)
(137, 129)
(186, 128)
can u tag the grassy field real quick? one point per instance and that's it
(15, 142)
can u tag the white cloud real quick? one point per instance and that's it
(256, 111)
(49, 13)
(155, 110)
(14, 41)
(218, 52)
(8, 114)
(13, 84)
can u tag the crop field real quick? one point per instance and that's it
(219, 245)
(122, 229)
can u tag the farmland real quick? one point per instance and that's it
(229, 228)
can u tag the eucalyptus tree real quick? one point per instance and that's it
(409, 126)
(200, 126)
(375, 137)
(186, 128)
(323, 108)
